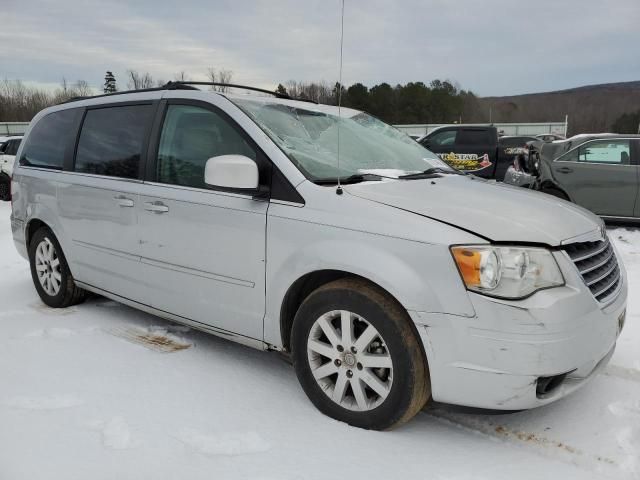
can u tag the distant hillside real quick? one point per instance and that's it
(592, 108)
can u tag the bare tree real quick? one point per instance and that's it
(224, 76)
(138, 81)
(20, 103)
(212, 75)
(221, 76)
(181, 76)
(82, 89)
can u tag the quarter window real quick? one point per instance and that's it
(190, 136)
(606, 151)
(112, 140)
(45, 146)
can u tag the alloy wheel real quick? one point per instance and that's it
(48, 267)
(349, 360)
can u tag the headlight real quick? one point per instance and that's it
(507, 272)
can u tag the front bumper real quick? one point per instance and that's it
(494, 359)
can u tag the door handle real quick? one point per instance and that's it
(156, 207)
(123, 201)
(565, 170)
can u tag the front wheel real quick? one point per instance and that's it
(556, 192)
(357, 357)
(50, 271)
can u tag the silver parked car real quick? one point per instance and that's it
(408, 281)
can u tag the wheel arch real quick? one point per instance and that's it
(309, 282)
(550, 184)
(33, 225)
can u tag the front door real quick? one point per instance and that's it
(203, 250)
(601, 176)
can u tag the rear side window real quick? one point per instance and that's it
(606, 151)
(473, 137)
(190, 136)
(112, 140)
(46, 144)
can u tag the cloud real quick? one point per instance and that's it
(492, 47)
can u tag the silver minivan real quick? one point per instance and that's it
(387, 277)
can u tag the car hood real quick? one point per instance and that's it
(495, 211)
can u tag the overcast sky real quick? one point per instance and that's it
(492, 47)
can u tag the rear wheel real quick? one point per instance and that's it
(357, 357)
(5, 188)
(50, 271)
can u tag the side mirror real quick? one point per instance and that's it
(231, 171)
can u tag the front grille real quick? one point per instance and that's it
(598, 267)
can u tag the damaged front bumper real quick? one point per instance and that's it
(520, 354)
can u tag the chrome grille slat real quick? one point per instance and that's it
(610, 281)
(608, 252)
(597, 265)
(578, 256)
(601, 275)
(612, 294)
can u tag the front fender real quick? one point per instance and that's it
(421, 276)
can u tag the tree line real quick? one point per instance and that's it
(590, 109)
(440, 101)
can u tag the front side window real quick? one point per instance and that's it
(606, 151)
(312, 137)
(442, 139)
(112, 140)
(191, 136)
(46, 144)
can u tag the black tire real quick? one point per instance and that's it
(5, 188)
(410, 388)
(556, 192)
(69, 293)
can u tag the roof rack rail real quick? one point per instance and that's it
(188, 85)
(122, 92)
(179, 83)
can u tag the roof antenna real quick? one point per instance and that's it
(339, 189)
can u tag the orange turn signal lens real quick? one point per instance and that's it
(469, 265)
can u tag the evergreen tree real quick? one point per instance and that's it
(357, 97)
(281, 90)
(627, 123)
(109, 83)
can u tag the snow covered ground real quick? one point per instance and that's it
(102, 391)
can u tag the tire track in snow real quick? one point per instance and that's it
(625, 373)
(226, 444)
(535, 442)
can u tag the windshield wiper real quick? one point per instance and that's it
(357, 178)
(430, 172)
